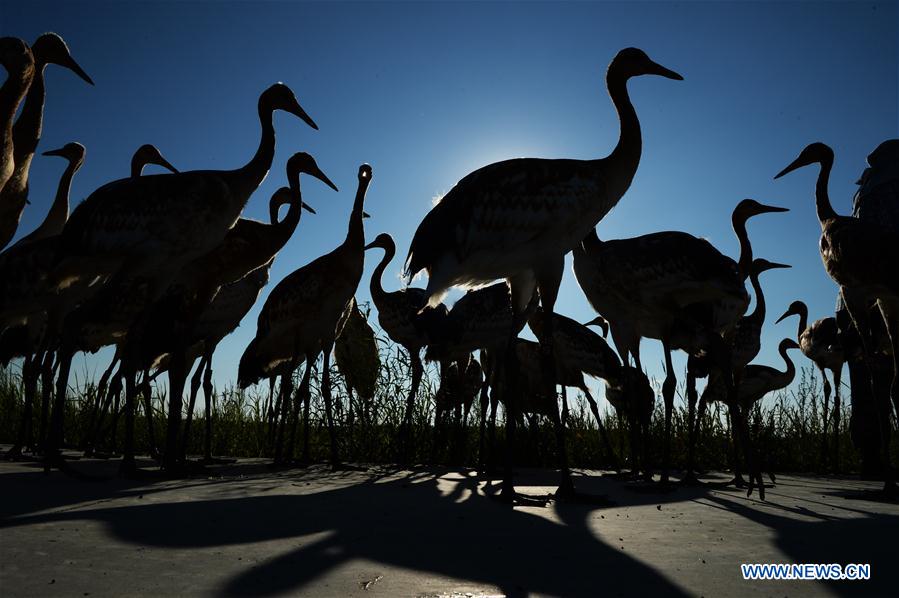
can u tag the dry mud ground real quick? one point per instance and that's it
(247, 529)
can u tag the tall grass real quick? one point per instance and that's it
(787, 426)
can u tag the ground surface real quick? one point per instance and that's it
(245, 529)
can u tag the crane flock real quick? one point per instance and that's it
(120, 271)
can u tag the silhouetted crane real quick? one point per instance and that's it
(516, 219)
(49, 48)
(17, 59)
(397, 315)
(863, 258)
(674, 287)
(306, 311)
(821, 342)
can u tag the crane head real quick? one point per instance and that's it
(49, 48)
(787, 344)
(814, 153)
(633, 62)
(281, 97)
(384, 241)
(797, 308)
(303, 163)
(15, 55)
(760, 265)
(748, 208)
(149, 154)
(602, 323)
(73, 152)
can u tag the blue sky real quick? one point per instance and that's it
(427, 92)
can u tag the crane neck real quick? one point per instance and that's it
(13, 90)
(375, 286)
(803, 320)
(355, 235)
(282, 230)
(791, 367)
(625, 158)
(744, 263)
(822, 199)
(26, 132)
(758, 312)
(59, 211)
(251, 175)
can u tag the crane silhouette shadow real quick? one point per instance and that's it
(823, 538)
(417, 522)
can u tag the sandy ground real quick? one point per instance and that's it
(245, 529)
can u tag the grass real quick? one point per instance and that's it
(788, 425)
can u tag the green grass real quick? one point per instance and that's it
(787, 425)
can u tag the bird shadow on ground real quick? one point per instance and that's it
(821, 538)
(418, 522)
(432, 520)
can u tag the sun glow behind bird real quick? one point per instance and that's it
(427, 93)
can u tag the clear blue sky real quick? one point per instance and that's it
(427, 92)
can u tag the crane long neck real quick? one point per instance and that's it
(787, 376)
(744, 262)
(12, 92)
(822, 199)
(355, 235)
(281, 231)
(803, 321)
(625, 158)
(59, 212)
(375, 286)
(26, 132)
(137, 165)
(251, 175)
(758, 313)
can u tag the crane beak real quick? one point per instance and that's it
(366, 215)
(317, 173)
(55, 152)
(773, 265)
(307, 207)
(75, 68)
(657, 69)
(297, 110)
(786, 315)
(370, 245)
(797, 163)
(763, 209)
(165, 164)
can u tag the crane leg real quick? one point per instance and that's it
(604, 437)
(668, 388)
(690, 475)
(128, 466)
(209, 397)
(115, 392)
(194, 390)
(890, 313)
(30, 374)
(178, 369)
(306, 396)
(406, 426)
(282, 410)
(858, 311)
(100, 405)
(826, 418)
(326, 395)
(147, 392)
(290, 409)
(548, 281)
(55, 436)
(482, 428)
(837, 375)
